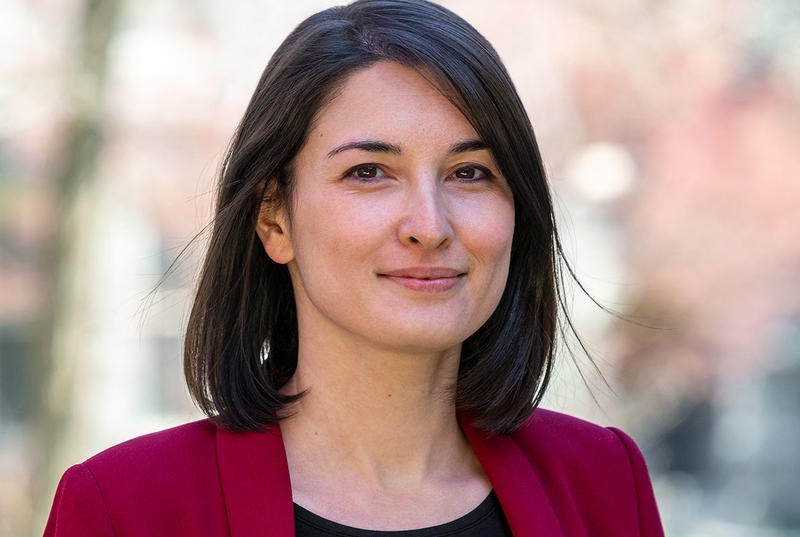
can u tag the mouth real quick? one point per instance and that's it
(425, 279)
(424, 273)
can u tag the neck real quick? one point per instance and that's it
(384, 418)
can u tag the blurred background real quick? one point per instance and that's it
(670, 130)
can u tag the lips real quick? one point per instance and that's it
(425, 279)
(424, 273)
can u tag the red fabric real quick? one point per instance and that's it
(557, 476)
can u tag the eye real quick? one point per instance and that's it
(364, 172)
(472, 173)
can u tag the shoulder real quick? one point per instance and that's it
(124, 489)
(176, 457)
(548, 429)
(576, 442)
(580, 452)
(600, 469)
(162, 447)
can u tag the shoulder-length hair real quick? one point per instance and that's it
(241, 340)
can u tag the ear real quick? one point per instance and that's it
(272, 228)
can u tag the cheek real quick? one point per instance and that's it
(487, 231)
(488, 238)
(335, 235)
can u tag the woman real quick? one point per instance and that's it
(375, 320)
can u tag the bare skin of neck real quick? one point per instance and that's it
(375, 443)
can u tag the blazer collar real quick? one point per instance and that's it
(525, 504)
(254, 476)
(255, 483)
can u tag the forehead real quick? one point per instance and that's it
(391, 102)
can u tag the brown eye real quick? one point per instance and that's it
(468, 173)
(465, 173)
(366, 172)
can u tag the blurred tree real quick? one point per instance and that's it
(61, 349)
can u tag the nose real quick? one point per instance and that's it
(426, 223)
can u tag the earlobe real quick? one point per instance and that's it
(272, 228)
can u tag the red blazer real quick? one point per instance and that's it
(557, 476)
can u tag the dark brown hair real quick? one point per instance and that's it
(241, 340)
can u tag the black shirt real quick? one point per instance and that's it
(486, 520)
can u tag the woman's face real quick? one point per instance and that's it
(401, 225)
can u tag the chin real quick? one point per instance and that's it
(421, 340)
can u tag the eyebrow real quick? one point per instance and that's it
(378, 146)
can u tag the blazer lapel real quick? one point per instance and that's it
(525, 504)
(258, 493)
(255, 483)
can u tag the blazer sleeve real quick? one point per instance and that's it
(78, 508)
(649, 519)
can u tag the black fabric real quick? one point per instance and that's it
(486, 520)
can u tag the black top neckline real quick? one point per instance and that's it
(453, 527)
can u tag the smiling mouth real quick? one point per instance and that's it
(424, 273)
(426, 283)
